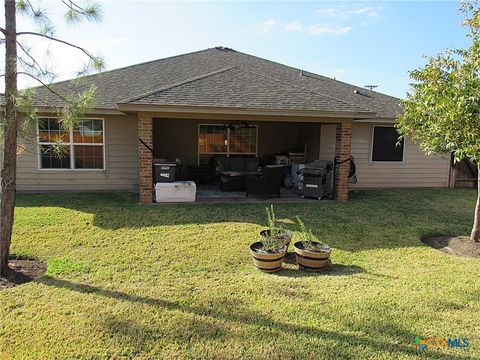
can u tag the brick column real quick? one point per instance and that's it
(343, 146)
(145, 158)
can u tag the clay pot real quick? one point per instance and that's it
(267, 262)
(311, 260)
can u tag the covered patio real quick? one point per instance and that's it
(194, 139)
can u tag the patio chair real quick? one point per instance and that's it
(268, 183)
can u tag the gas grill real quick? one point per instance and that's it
(318, 179)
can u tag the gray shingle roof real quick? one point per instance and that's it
(225, 78)
(240, 88)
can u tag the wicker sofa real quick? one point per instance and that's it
(232, 171)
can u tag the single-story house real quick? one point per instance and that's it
(178, 108)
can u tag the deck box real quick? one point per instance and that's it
(178, 191)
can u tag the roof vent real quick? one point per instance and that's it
(223, 48)
(356, 91)
(301, 73)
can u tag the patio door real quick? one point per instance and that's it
(220, 140)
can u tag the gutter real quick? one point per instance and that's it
(189, 109)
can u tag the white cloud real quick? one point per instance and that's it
(347, 12)
(268, 24)
(369, 11)
(293, 26)
(340, 71)
(328, 29)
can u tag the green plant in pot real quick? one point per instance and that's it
(274, 228)
(269, 252)
(311, 254)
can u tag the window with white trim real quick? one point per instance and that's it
(385, 144)
(80, 147)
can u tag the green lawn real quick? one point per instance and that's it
(176, 281)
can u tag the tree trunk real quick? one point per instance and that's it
(476, 222)
(10, 133)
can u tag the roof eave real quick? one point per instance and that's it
(381, 120)
(94, 111)
(126, 107)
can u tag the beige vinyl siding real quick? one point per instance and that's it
(121, 164)
(416, 170)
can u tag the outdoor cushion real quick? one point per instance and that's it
(251, 164)
(237, 163)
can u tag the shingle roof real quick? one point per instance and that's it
(240, 88)
(225, 78)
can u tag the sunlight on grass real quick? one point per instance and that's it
(176, 281)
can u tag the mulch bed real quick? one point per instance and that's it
(22, 271)
(459, 245)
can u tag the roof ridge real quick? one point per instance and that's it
(171, 86)
(310, 90)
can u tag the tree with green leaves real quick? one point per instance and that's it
(20, 109)
(442, 111)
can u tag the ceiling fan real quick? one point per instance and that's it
(237, 125)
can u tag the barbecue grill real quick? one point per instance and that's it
(318, 179)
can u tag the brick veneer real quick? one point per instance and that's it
(343, 146)
(145, 158)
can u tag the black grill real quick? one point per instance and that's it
(318, 179)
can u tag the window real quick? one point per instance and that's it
(220, 140)
(80, 147)
(385, 148)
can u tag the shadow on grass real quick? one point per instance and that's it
(370, 220)
(332, 270)
(251, 318)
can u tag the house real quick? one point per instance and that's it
(178, 107)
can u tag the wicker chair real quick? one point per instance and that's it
(268, 183)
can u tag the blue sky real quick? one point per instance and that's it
(360, 42)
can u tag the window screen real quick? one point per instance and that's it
(385, 146)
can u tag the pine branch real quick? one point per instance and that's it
(47, 86)
(35, 65)
(76, 12)
(32, 33)
(38, 15)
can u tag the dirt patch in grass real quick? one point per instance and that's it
(22, 271)
(459, 245)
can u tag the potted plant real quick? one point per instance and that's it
(311, 254)
(274, 229)
(268, 253)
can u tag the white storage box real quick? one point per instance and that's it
(178, 191)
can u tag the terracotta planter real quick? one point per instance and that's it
(267, 262)
(286, 236)
(311, 260)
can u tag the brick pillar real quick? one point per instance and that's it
(343, 146)
(145, 158)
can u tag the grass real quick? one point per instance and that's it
(176, 281)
